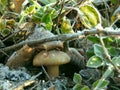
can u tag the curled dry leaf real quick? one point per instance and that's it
(21, 58)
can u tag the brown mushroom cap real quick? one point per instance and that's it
(52, 57)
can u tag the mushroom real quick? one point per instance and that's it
(51, 59)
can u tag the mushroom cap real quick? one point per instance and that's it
(52, 57)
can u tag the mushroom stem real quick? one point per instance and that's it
(53, 70)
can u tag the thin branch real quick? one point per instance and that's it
(68, 9)
(63, 37)
(45, 72)
(117, 19)
(4, 53)
(107, 55)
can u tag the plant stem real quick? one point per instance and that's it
(105, 75)
(107, 54)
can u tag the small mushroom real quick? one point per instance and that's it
(51, 59)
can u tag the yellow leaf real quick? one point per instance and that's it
(66, 27)
(91, 16)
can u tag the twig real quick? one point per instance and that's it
(107, 14)
(63, 37)
(114, 22)
(69, 9)
(35, 85)
(62, 6)
(107, 54)
(35, 76)
(11, 35)
(4, 53)
(45, 72)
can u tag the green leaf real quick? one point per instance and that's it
(77, 78)
(90, 52)
(3, 4)
(116, 61)
(108, 72)
(114, 1)
(51, 11)
(94, 39)
(85, 88)
(89, 15)
(77, 87)
(113, 51)
(30, 10)
(48, 21)
(2, 24)
(108, 39)
(104, 84)
(98, 50)
(35, 3)
(43, 13)
(38, 15)
(95, 62)
(66, 27)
